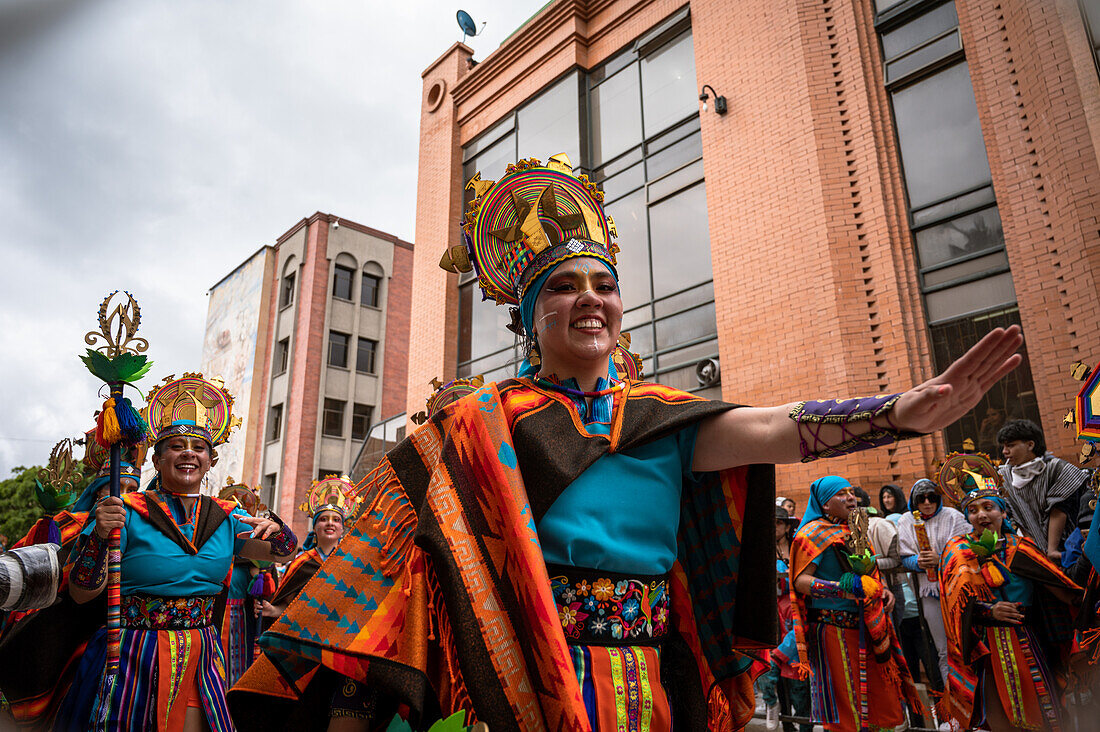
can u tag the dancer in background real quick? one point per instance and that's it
(1008, 612)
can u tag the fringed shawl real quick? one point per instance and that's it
(964, 585)
(439, 596)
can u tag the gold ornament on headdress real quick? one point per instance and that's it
(194, 398)
(245, 497)
(60, 473)
(961, 470)
(332, 493)
(445, 394)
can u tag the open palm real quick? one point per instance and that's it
(943, 399)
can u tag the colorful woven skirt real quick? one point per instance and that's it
(171, 658)
(1023, 681)
(614, 625)
(839, 675)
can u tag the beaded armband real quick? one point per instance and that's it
(90, 569)
(284, 542)
(810, 416)
(825, 589)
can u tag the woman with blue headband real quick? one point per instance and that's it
(562, 547)
(1007, 609)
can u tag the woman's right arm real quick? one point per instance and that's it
(88, 575)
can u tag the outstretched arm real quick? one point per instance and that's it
(772, 434)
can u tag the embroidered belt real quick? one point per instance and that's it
(149, 612)
(839, 618)
(600, 608)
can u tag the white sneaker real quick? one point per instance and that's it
(771, 717)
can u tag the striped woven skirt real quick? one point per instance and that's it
(237, 640)
(1024, 684)
(614, 625)
(844, 688)
(162, 671)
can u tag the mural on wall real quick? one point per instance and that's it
(228, 352)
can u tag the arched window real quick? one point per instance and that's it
(286, 287)
(371, 290)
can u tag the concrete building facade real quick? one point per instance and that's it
(330, 353)
(891, 179)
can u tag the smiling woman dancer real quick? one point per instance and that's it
(177, 549)
(1006, 609)
(569, 549)
(328, 503)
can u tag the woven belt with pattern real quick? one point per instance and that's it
(149, 612)
(839, 618)
(600, 608)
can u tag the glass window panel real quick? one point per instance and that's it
(641, 340)
(275, 423)
(675, 181)
(613, 66)
(550, 124)
(918, 59)
(494, 161)
(369, 290)
(919, 30)
(494, 361)
(486, 139)
(338, 349)
(615, 113)
(881, 5)
(364, 356)
(1012, 397)
(953, 207)
(620, 164)
(975, 232)
(675, 134)
(680, 241)
(619, 185)
(332, 423)
(360, 421)
(633, 261)
(988, 263)
(637, 316)
(685, 327)
(690, 298)
(674, 156)
(282, 355)
(972, 297)
(939, 135)
(286, 294)
(481, 326)
(681, 378)
(669, 91)
(690, 355)
(341, 282)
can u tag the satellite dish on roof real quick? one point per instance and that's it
(466, 23)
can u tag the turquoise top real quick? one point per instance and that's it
(1015, 589)
(622, 513)
(240, 582)
(830, 567)
(153, 564)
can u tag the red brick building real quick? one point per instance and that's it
(311, 336)
(891, 179)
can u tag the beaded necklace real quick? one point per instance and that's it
(577, 392)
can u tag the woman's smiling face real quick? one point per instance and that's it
(578, 314)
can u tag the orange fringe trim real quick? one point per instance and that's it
(455, 697)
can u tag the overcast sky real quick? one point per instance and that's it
(152, 145)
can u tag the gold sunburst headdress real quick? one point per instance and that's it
(966, 477)
(191, 406)
(332, 493)
(245, 497)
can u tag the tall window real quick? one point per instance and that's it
(964, 272)
(268, 494)
(338, 348)
(1091, 11)
(286, 291)
(364, 356)
(332, 419)
(282, 355)
(642, 146)
(275, 422)
(369, 291)
(360, 421)
(341, 282)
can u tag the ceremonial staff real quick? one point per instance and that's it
(118, 362)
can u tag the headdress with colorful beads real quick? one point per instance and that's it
(245, 497)
(532, 219)
(332, 493)
(191, 406)
(448, 393)
(966, 477)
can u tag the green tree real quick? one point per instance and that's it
(19, 507)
